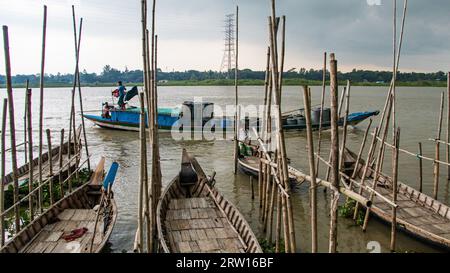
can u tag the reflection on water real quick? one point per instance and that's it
(417, 116)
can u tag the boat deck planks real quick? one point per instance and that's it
(197, 225)
(417, 213)
(49, 240)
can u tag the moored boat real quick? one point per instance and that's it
(295, 120)
(417, 213)
(83, 218)
(192, 216)
(23, 171)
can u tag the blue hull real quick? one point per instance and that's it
(128, 120)
(352, 120)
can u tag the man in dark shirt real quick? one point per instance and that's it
(122, 92)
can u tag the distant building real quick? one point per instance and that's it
(163, 81)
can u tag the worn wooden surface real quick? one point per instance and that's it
(417, 212)
(197, 225)
(49, 239)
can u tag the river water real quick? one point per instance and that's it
(417, 115)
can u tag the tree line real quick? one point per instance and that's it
(111, 75)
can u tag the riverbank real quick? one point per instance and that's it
(243, 82)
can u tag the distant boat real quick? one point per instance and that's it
(168, 118)
(295, 120)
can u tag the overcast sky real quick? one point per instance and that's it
(191, 34)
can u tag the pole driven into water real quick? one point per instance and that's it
(2, 173)
(236, 90)
(12, 127)
(41, 108)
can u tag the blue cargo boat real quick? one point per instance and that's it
(168, 118)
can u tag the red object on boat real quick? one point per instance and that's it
(74, 234)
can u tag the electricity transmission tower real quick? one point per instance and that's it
(229, 59)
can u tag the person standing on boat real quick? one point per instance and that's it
(122, 93)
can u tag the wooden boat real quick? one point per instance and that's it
(417, 214)
(192, 216)
(295, 120)
(24, 170)
(249, 164)
(168, 118)
(76, 211)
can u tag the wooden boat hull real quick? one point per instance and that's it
(353, 120)
(418, 214)
(250, 166)
(206, 220)
(23, 170)
(76, 210)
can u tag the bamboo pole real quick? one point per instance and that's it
(322, 103)
(156, 161)
(334, 153)
(25, 121)
(312, 171)
(236, 90)
(41, 107)
(397, 62)
(447, 150)
(265, 130)
(144, 175)
(267, 197)
(437, 150)
(420, 168)
(271, 210)
(366, 168)
(341, 102)
(61, 149)
(344, 133)
(12, 127)
(29, 127)
(394, 189)
(264, 187)
(278, 224)
(281, 142)
(361, 149)
(81, 102)
(2, 172)
(378, 165)
(148, 190)
(394, 67)
(77, 44)
(260, 183)
(50, 164)
(283, 50)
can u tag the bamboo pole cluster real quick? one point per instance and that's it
(150, 183)
(35, 196)
(274, 188)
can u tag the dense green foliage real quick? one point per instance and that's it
(347, 210)
(268, 247)
(111, 75)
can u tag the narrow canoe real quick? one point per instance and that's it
(75, 211)
(195, 218)
(418, 214)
